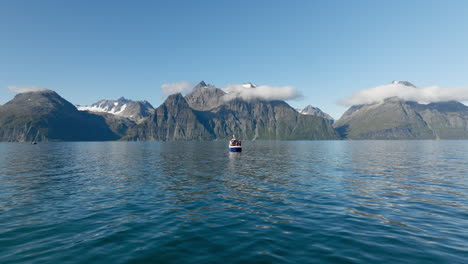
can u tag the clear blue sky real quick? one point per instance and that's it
(91, 50)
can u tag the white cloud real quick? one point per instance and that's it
(264, 92)
(426, 94)
(178, 87)
(25, 89)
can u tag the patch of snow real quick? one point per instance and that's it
(92, 109)
(102, 108)
(300, 111)
(121, 109)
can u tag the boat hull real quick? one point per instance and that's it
(235, 149)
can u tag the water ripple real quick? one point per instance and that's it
(276, 202)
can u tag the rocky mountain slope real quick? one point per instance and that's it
(398, 119)
(118, 124)
(206, 114)
(315, 111)
(175, 120)
(259, 119)
(447, 120)
(205, 97)
(45, 116)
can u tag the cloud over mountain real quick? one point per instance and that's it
(427, 94)
(25, 89)
(246, 91)
(177, 87)
(265, 92)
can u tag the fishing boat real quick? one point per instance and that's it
(235, 145)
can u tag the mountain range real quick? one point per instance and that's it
(207, 113)
(395, 118)
(133, 110)
(45, 116)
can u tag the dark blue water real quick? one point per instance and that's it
(193, 202)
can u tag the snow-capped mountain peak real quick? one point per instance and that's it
(310, 110)
(249, 85)
(135, 110)
(405, 83)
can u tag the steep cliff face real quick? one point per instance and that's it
(399, 119)
(45, 116)
(448, 120)
(120, 125)
(173, 120)
(260, 119)
(254, 119)
(205, 97)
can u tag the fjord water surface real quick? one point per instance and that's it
(194, 202)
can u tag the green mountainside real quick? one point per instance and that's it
(398, 119)
(45, 116)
